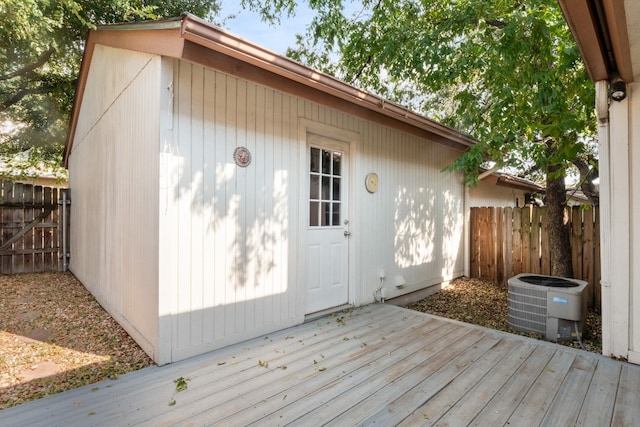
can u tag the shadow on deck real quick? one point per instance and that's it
(378, 364)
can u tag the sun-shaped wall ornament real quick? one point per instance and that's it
(371, 182)
(242, 156)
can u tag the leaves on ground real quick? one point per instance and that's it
(484, 303)
(181, 384)
(54, 337)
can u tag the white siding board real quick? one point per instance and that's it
(168, 215)
(259, 229)
(220, 210)
(634, 231)
(198, 235)
(184, 206)
(208, 212)
(115, 180)
(487, 194)
(269, 164)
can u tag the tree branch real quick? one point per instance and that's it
(18, 97)
(587, 175)
(30, 67)
(496, 23)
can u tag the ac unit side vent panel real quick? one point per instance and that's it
(526, 312)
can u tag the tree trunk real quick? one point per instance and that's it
(559, 237)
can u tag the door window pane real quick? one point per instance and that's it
(314, 187)
(326, 162)
(335, 215)
(326, 188)
(315, 160)
(313, 214)
(326, 213)
(336, 189)
(337, 162)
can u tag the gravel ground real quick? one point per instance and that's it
(54, 336)
(484, 303)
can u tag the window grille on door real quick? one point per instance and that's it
(324, 189)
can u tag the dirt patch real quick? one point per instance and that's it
(485, 304)
(54, 336)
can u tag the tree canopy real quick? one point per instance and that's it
(41, 45)
(507, 72)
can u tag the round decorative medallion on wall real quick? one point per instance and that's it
(242, 156)
(371, 182)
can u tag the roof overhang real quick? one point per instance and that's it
(195, 40)
(602, 30)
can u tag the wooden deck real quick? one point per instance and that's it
(380, 365)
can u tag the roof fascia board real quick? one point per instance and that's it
(518, 184)
(161, 41)
(200, 32)
(87, 55)
(617, 25)
(599, 28)
(581, 20)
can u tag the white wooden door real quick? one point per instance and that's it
(327, 223)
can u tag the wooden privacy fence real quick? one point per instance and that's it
(509, 241)
(34, 224)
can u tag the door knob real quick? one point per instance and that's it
(347, 233)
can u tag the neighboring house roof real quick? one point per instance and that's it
(506, 180)
(195, 40)
(608, 35)
(502, 179)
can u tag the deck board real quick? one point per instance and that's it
(536, 403)
(377, 365)
(626, 411)
(597, 408)
(567, 404)
(480, 395)
(433, 409)
(502, 405)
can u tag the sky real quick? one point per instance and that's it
(249, 26)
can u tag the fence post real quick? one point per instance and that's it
(508, 244)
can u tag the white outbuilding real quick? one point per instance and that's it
(221, 191)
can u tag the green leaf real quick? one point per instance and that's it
(181, 384)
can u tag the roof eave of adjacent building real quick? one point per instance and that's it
(599, 28)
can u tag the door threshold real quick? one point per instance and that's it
(322, 313)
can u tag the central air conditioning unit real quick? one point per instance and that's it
(554, 307)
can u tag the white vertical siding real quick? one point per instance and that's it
(114, 187)
(487, 194)
(234, 249)
(218, 260)
(634, 231)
